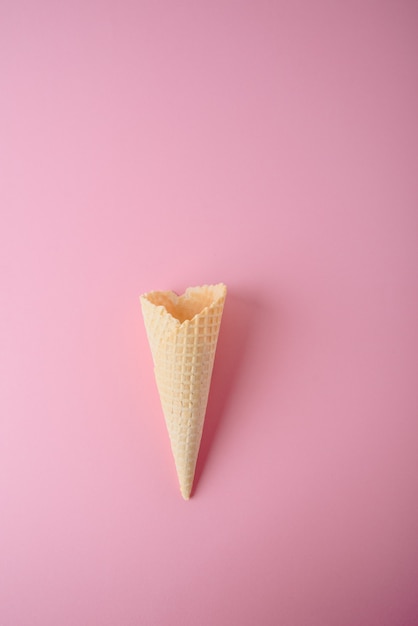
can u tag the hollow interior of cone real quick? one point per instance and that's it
(188, 305)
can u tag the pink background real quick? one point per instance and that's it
(156, 145)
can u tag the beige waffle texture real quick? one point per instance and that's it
(183, 333)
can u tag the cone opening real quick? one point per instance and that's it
(191, 303)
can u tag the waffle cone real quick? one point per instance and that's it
(182, 333)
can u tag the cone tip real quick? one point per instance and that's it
(185, 493)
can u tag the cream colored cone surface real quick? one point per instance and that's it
(183, 333)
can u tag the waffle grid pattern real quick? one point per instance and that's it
(183, 355)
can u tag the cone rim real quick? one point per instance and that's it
(170, 293)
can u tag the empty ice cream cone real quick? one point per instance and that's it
(183, 333)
